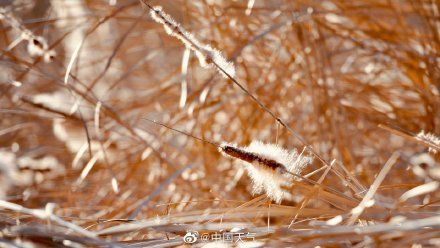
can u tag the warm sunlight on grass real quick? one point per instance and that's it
(220, 123)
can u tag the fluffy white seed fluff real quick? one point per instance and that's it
(430, 138)
(265, 178)
(208, 56)
(36, 45)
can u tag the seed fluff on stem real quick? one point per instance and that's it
(431, 139)
(36, 45)
(208, 56)
(269, 166)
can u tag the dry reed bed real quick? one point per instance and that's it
(111, 127)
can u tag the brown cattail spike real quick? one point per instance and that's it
(270, 167)
(252, 158)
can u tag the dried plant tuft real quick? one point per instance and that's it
(37, 46)
(208, 56)
(269, 166)
(431, 139)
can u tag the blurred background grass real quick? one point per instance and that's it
(333, 70)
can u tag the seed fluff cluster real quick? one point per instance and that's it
(208, 56)
(269, 166)
(36, 45)
(431, 139)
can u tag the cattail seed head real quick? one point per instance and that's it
(269, 166)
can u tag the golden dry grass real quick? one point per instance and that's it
(110, 141)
